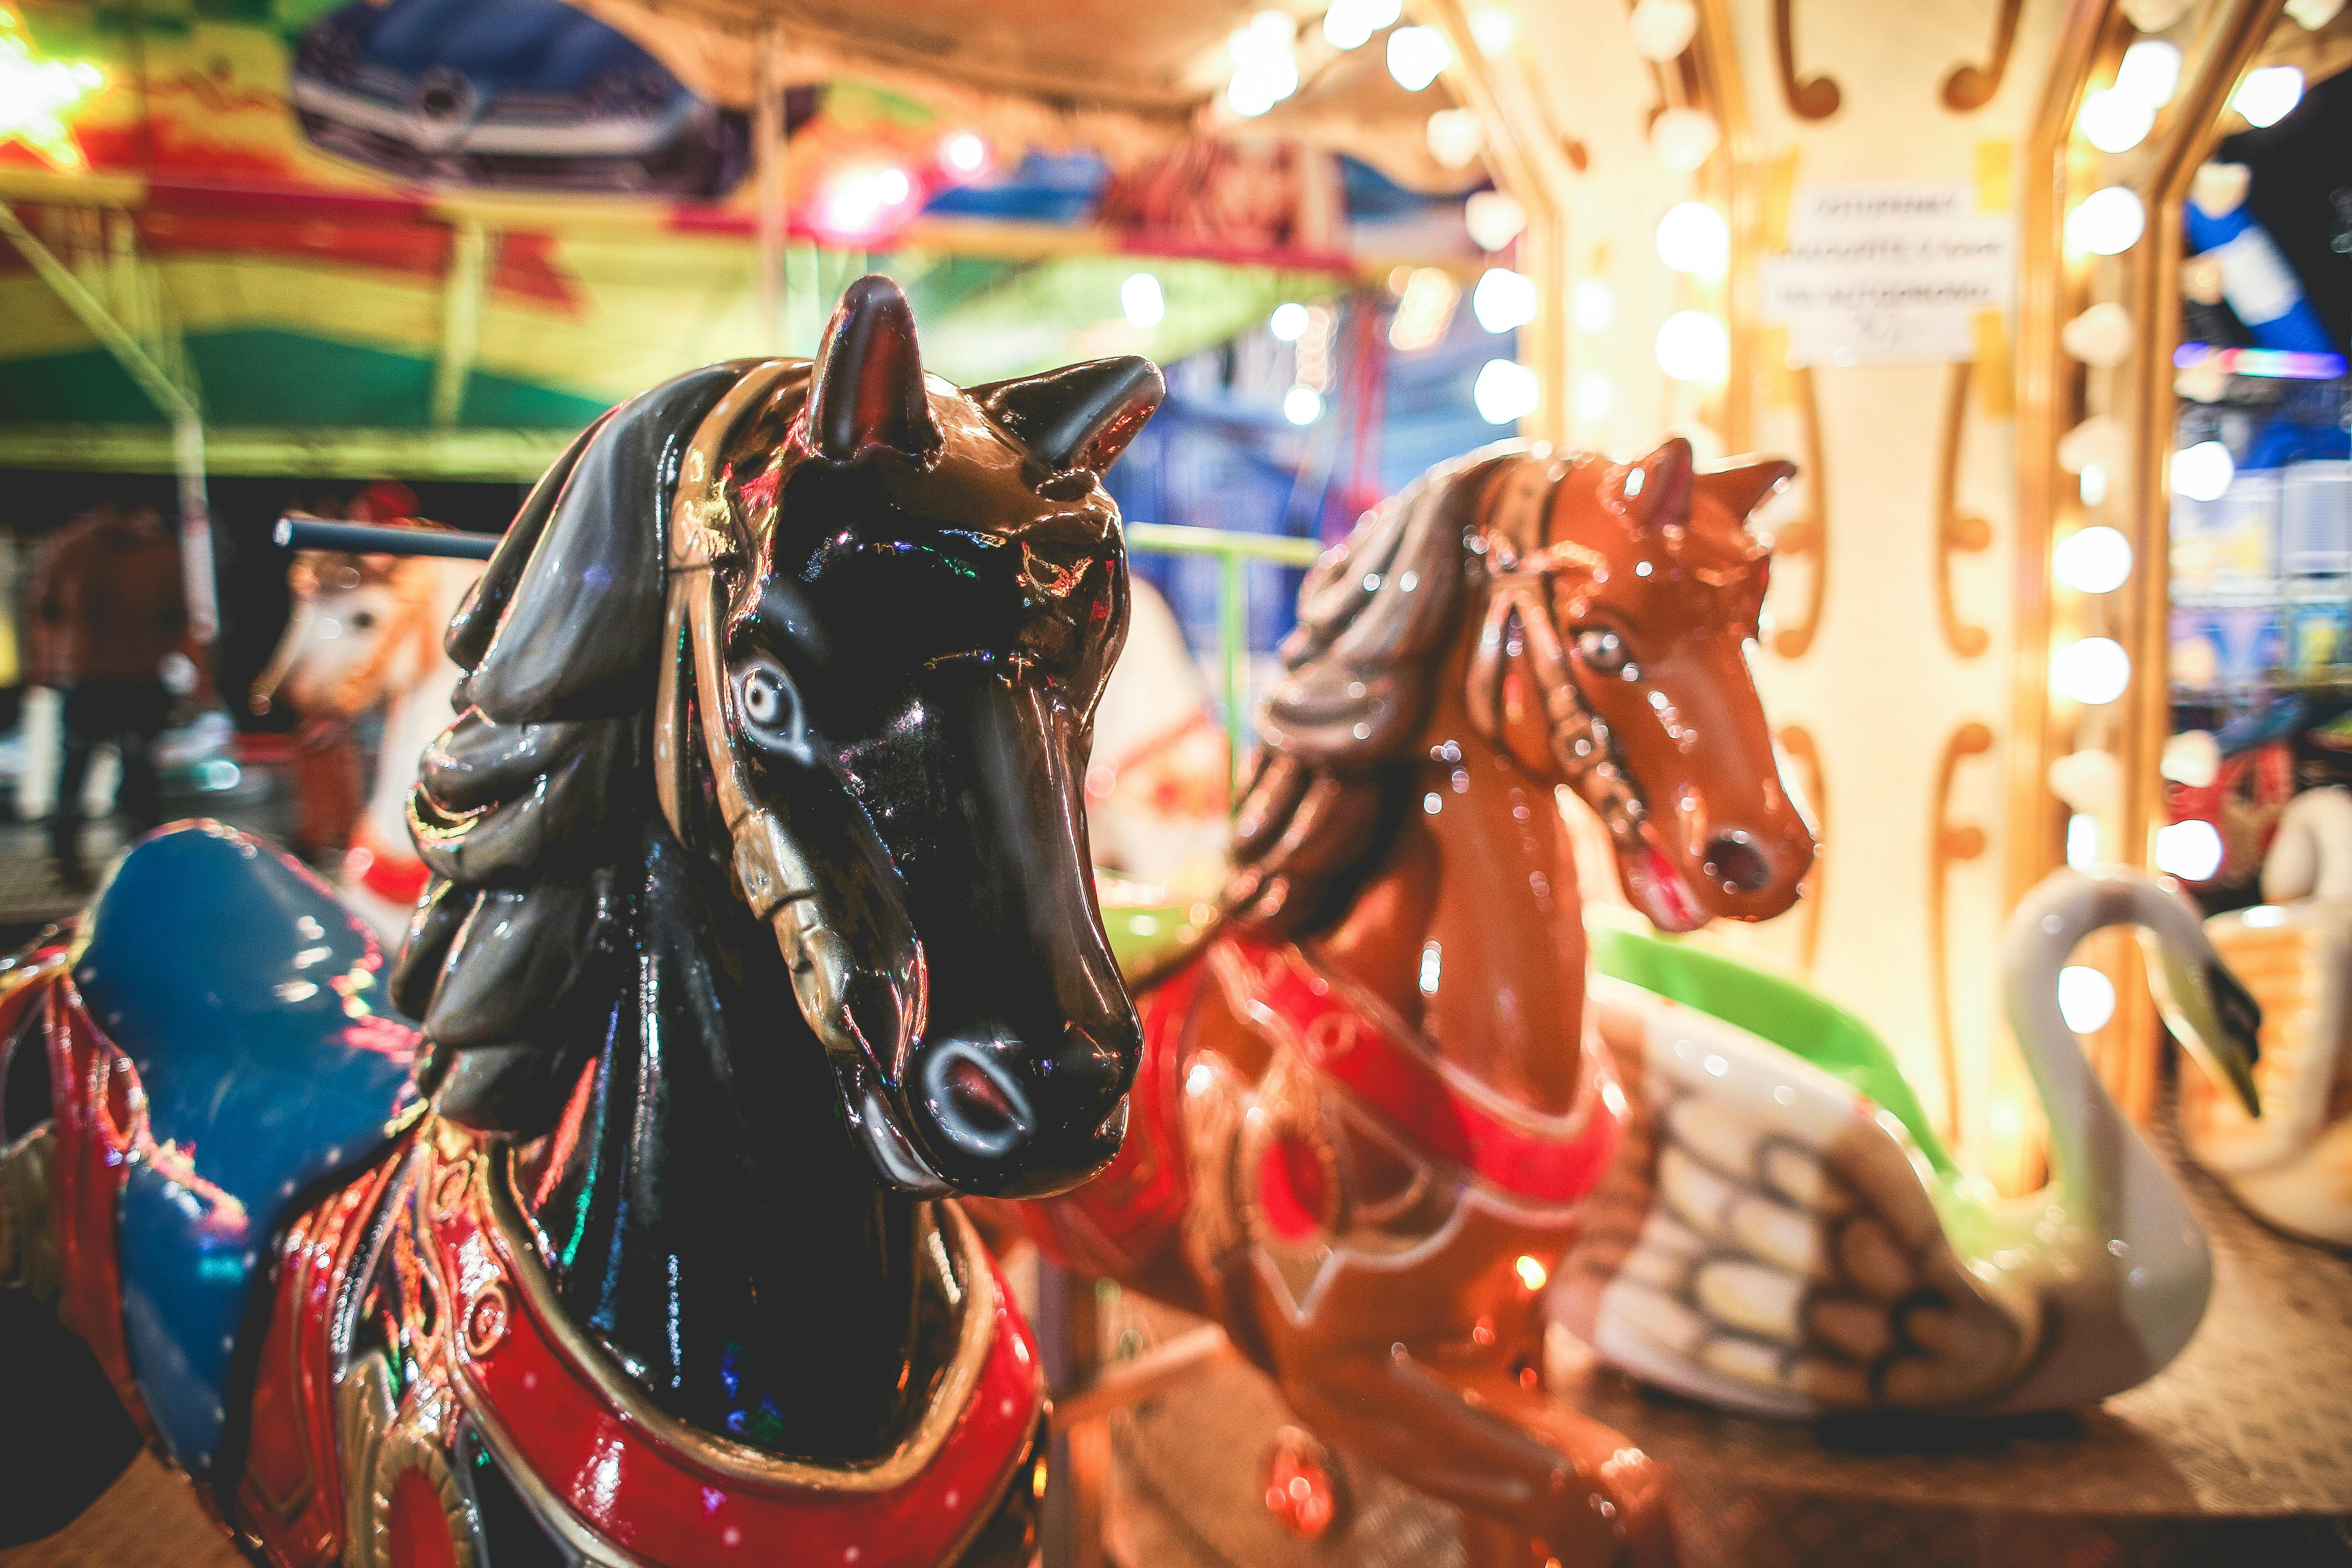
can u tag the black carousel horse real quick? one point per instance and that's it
(761, 917)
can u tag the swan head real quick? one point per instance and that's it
(2207, 1009)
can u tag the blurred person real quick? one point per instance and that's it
(111, 606)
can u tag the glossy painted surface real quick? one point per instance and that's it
(1514, 634)
(2292, 1167)
(1782, 1240)
(251, 1006)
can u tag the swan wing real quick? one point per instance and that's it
(1765, 1240)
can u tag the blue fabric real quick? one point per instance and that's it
(253, 1006)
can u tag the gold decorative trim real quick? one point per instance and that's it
(737, 1461)
(1815, 98)
(1957, 532)
(1968, 87)
(1796, 742)
(1807, 537)
(1949, 842)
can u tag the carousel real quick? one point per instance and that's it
(1432, 783)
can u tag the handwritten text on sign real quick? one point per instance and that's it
(1884, 274)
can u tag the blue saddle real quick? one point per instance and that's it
(252, 1003)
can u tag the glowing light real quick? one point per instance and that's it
(1693, 237)
(2202, 472)
(1590, 305)
(1302, 406)
(2115, 120)
(1425, 311)
(1504, 300)
(2150, 72)
(1505, 392)
(2092, 671)
(1661, 29)
(2190, 850)
(1494, 219)
(964, 152)
(1682, 138)
(1289, 321)
(1417, 56)
(2100, 335)
(2082, 840)
(1693, 346)
(2269, 95)
(1265, 63)
(2086, 998)
(36, 95)
(2109, 223)
(1141, 299)
(2094, 560)
(1595, 397)
(1454, 138)
(1532, 1274)
(866, 200)
(1350, 23)
(1495, 30)
(2098, 439)
(2092, 483)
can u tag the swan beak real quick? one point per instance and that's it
(2237, 1043)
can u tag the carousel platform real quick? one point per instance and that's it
(2240, 1452)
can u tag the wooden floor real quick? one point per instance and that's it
(149, 1519)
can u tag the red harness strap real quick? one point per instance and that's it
(1434, 1106)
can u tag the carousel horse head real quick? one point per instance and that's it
(362, 629)
(826, 638)
(1596, 616)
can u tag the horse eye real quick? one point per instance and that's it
(1603, 652)
(763, 697)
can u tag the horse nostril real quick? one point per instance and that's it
(1737, 863)
(977, 1105)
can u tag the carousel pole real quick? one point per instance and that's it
(768, 139)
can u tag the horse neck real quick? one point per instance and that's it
(703, 1209)
(1471, 925)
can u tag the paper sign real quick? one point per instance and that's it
(1889, 274)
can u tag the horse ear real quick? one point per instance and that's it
(867, 389)
(1741, 487)
(1080, 417)
(1656, 490)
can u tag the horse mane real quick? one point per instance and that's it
(1360, 669)
(528, 809)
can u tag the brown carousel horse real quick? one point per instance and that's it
(1367, 1115)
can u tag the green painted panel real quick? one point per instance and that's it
(262, 376)
(86, 387)
(503, 403)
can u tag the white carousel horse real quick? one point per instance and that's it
(364, 630)
(2294, 1166)
(1156, 789)
(1788, 1238)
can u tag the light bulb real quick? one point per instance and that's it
(2269, 95)
(1417, 56)
(1590, 305)
(1693, 237)
(1141, 299)
(2202, 472)
(2082, 840)
(1302, 405)
(1693, 346)
(2095, 560)
(2100, 335)
(1504, 300)
(964, 152)
(1494, 31)
(2086, 998)
(1661, 29)
(2098, 439)
(1505, 392)
(2092, 671)
(1682, 138)
(1454, 138)
(2115, 120)
(1350, 23)
(1493, 219)
(1289, 321)
(2190, 850)
(2109, 223)
(1596, 397)
(2092, 483)
(2151, 71)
